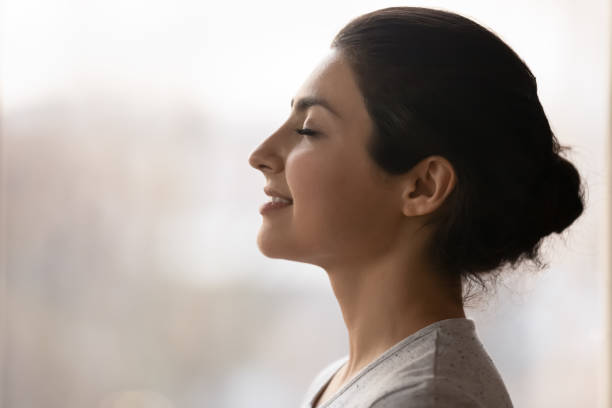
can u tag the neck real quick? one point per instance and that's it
(383, 302)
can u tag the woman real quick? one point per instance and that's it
(417, 160)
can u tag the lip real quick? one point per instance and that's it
(274, 193)
(272, 206)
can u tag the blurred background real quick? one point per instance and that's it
(131, 275)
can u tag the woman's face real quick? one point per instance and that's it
(343, 210)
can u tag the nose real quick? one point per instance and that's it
(265, 158)
(268, 157)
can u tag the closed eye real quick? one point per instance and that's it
(306, 131)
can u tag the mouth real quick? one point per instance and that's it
(275, 204)
(281, 200)
(276, 195)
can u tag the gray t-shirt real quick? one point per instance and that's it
(441, 365)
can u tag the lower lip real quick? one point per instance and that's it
(272, 206)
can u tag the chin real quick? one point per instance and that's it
(271, 248)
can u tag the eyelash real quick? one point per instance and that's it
(306, 131)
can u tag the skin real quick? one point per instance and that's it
(362, 226)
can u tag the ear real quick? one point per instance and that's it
(427, 185)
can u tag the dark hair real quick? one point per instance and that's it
(437, 83)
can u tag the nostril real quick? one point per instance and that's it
(263, 166)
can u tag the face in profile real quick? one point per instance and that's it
(343, 210)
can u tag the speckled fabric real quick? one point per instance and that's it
(441, 365)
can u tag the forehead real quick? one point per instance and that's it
(332, 81)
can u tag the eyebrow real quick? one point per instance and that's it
(308, 101)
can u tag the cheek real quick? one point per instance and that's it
(331, 192)
(315, 178)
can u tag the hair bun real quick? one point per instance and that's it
(564, 202)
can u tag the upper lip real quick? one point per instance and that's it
(273, 193)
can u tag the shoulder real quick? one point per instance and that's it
(434, 393)
(448, 368)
